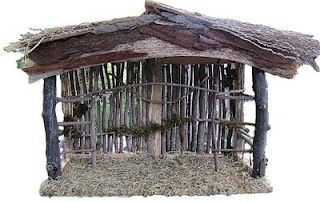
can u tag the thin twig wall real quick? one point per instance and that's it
(202, 106)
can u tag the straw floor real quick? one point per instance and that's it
(146, 176)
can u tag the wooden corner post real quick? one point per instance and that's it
(51, 128)
(156, 107)
(260, 88)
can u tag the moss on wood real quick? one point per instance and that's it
(150, 127)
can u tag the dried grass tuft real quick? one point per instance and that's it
(146, 176)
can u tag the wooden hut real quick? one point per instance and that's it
(166, 81)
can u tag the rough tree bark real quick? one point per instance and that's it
(51, 127)
(260, 87)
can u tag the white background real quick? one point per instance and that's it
(293, 142)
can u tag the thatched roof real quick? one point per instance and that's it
(171, 34)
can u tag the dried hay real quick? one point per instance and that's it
(146, 176)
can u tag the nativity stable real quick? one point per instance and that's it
(166, 82)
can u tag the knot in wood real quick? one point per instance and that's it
(262, 106)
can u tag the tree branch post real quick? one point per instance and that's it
(260, 87)
(51, 128)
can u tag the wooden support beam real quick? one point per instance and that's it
(260, 87)
(51, 128)
(155, 109)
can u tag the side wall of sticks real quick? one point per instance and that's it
(201, 108)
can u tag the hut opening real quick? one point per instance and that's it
(168, 82)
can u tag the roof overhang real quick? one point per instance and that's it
(170, 34)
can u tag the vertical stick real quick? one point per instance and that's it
(195, 102)
(175, 79)
(72, 143)
(98, 108)
(189, 104)
(64, 92)
(164, 112)
(143, 92)
(240, 103)
(121, 116)
(211, 107)
(231, 103)
(93, 133)
(110, 123)
(141, 116)
(155, 109)
(76, 142)
(148, 78)
(115, 70)
(84, 79)
(79, 91)
(130, 102)
(126, 109)
(137, 106)
(88, 139)
(72, 85)
(51, 127)
(104, 110)
(178, 108)
(215, 86)
(260, 88)
(133, 104)
(169, 109)
(202, 109)
(183, 108)
(77, 82)
(223, 108)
